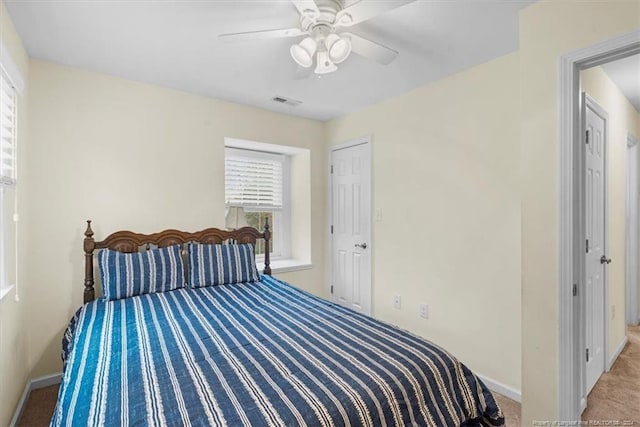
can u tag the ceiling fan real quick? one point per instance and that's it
(326, 44)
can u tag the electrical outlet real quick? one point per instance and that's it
(424, 311)
(378, 214)
(397, 302)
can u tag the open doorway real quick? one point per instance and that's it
(610, 111)
(583, 304)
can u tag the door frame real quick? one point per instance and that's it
(368, 141)
(631, 306)
(571, 216)
(588, 102)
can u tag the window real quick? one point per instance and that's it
(259, 182)
(8, 177)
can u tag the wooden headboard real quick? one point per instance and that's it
(128, 241)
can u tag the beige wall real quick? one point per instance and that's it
(622, 119)
(445, 175)
(549, 29)
(13, 320)
(133, 156)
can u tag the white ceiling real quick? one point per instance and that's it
(625, 73)
(174, 44)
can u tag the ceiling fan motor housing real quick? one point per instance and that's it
(320, 32)
(328, 9)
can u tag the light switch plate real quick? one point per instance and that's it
(424, 311)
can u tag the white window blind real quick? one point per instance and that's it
(254, 179)
(8, 131)
(8, 178)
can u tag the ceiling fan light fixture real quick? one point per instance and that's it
(303, 52)
(324, 65)
(339, 47)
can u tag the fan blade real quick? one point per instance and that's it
(366, 9)
(261, 35)
(371, 49)
(307, 8)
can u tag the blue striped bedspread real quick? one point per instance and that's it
(254, 354)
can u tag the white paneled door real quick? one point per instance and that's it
(351, 225)
(596, 258)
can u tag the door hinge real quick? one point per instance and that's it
(587, 245)
(332, 229)
(331, 168)
(331, 289)
(575, 289)
(587, 137)
(587, 355)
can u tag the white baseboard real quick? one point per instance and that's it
(616, 353)
(503, 389)
(34, 384)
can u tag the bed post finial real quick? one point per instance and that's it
(88, 232)
(89, 246)
(267, 238)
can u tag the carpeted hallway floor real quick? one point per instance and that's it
(616, 396)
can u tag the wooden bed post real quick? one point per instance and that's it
(89, 246)
(267, 238)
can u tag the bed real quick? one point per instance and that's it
(253, 352)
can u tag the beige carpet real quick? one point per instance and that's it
(39, 408)
(616, 395)
(510, 409)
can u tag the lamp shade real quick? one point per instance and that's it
(303, 52)
(235, 218)
(338, 47)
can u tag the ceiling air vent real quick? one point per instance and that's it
(286, 101)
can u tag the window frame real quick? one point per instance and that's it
(11, 82)
(281, 234)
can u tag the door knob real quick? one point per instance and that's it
(362, 245)
(605, 260)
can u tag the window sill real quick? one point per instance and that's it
(4, 291)
(287, 265)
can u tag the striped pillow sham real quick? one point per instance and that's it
(125, 275)
(211, 265)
